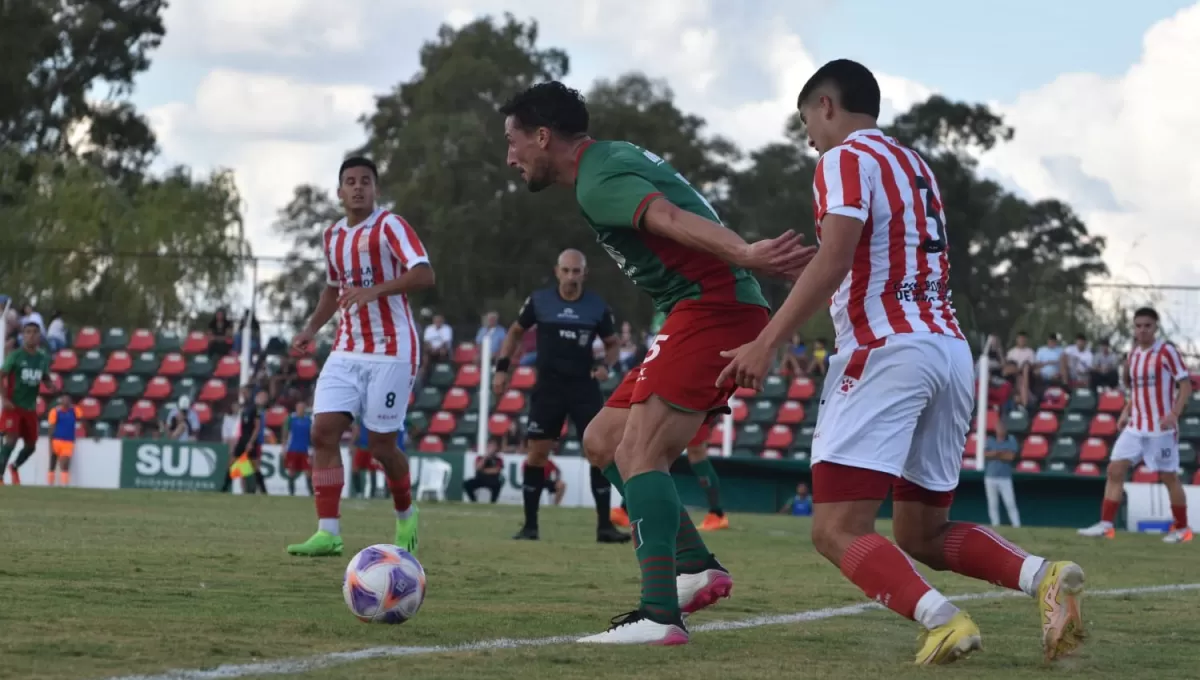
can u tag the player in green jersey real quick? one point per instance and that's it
(23, 373)
(667, 238)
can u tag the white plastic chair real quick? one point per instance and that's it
(435, 479)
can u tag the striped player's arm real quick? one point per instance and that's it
(408, 250)
(327, 304)
(1183, 381)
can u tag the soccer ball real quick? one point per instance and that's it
(384, 584)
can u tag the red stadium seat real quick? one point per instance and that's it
(118, 363)
(971, 448)
(993, 417)
(196, 342)
(1110, 401)
(1044, 422)
(141, 340)
(41, 406)
(1028, 466)
(745, 393)
(1144, 476)
(228, 367)
(129, 431)
(466, 353)
(498, 424)
(50, 391)
(739, 408)
(203, 412)
(276, 416)
(158, 388)
(468, 376)
(1094, 450)
(457, 400)
(513, 401)
(143, 411)
(1087, 470)
(1196, 478)
(87, 338)
(431, 444)
(307, 369)
(172, 365)
(65, 361)
(791, 413)
(103, 387)
(771, 454)
(970, 463)
(1035, 448)
(802, 389)
(1054, 399)
(80, 430)
(523, 378)
(213, 390)
(779, 437)
(1103, 425)
(442, 423)
(89, 408)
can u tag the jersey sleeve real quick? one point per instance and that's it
(52, 416)
(528, 315)
(331, 277)
(1173, 363)
(617, 200)
(402, 240)
(841, 186)
(607, 326)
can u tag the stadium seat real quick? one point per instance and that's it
(1054, 399)
(1087, 470)
(140, 340)
(801, 389)
(184, 387)
(87, 338)
(213, 391)
(428, 399)
(131, 387)
(76, 385)
(1141, 475)
(157, 389)
(743, 453)
(745, 393)
(145, 364)
(65, 361)
(970, 463)
(118, 363)
(1057, 466)
(143, 411)
(103, 386)
(1196, 478)
(771, 454)
(1093, 450)
(196, 342)
(779, 437)
(1103, 425)
(115, 410)
(199, 366)
(91, 362)
(167, 341)
(276, 416)
(126, 431)
(431, 444)
(498, 424)
(204, 413)
(993, 418)
(172, 365)
(441, 376)
(442, 423)
(1187, 455)
(1044, 422)
(228, 368)
(466, 353)
(1065, 450)
(971, 448)
(763, 412)
(57, 380)
(114, 339)
(460, 445)
(1082, 400)
(739, 409)
(774, 388)
(790, 413)
(1074, 424)
(306, 369)
(467, 376)
(1189, 428)
(797, 453)
(1017, 422)
(40, 406)
(570, 447)
(513, 401)
(89, 408)
(1028, 466)
(717, 436)
(1035, 447)
(804, 438)
(416, 422)
(1110, 401)
(523, 378)
(456, 400)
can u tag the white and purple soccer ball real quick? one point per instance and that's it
(384, 584)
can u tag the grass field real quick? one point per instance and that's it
(98, 584)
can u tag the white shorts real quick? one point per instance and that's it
(902, 408)
(375, 389)
(1158, 451)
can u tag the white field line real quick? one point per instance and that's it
(319, 661)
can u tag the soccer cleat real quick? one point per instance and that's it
(949, 642)
(1183, 535)
(636, 628)
(714, 522)
(619, 517)
(406, 532)
(704, 588)
(526, 534)
(1059, 595)
(611, 534)
(1098, 530)
(320, 544)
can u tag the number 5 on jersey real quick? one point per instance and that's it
(655, 348)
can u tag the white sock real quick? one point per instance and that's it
(933, 610)
(1033, 570)
(1105, 524)
(333, 526)
(404, 514)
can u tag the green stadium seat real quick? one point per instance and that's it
(43, 428)
(799, 454)
(102, 430)
(750, 436)
(416, 422)
(744, 453)
(763, 412)
(1189, 428)
(775, 388)
(115, 410)
(1193, 405)
(76, 385)
(1065, 450)
(91, 362)
(810, 412)
(441, 376)
(131, 387)
(570, 447)
(804, 438)
(184, 387)
(468, 424)
(199, 366)
(167, 341)
(1083, 399)
(1187, 455)
(428, 399)
(114, 339)
(145, 364)
(1074, 424)
(1017, 422)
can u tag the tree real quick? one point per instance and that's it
(293, 295)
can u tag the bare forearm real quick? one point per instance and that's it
(689, 229)
(512, 340)
(1184, 396)
(612, 351)
(812, 290)
(326, 307)
(419, 277)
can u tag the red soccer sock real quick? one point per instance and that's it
(327, 491)
(1108, 510)
(1179, 512)
(401, 492)
(884, 574)
(978, 552)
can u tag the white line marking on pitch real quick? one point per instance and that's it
(319, 661)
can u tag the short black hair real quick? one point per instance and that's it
(857, 88)
(358, 162)
(550, 105)
(1146, 312)
(1023, 333)
(1080, 336)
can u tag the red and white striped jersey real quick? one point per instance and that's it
(379, 249)
(899, 281)
(1153, 373)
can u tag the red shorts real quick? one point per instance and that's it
(297, 461)
(702, 434)
(363, 460)
(683, 362)
(22, 423)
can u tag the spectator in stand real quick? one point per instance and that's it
(999, 452)
(820, 357)
(1106, 367)
(182, 422)
(1021, 353)
(795, 357)
(1078, 359)
(11, 324)
(439, 340)
(801, 503)
(56, 333)
(488, 471)
(1048, 362)
(528, 348)
(491, 333)
(30, 315)
(220, 334)
(627, 350)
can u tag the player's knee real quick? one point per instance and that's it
(537, 452)
(598, 445)
(826, 538)
(1117, 471)
(325, 436)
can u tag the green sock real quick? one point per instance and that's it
(691, 555)
(25, 454)
(7, 449)
(706, 475)
(614, 476)
(654, 517)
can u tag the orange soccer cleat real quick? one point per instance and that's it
(714, 522)
(619, 517)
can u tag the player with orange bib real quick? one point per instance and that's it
(24, 371)
(62, 419)
(666, 237)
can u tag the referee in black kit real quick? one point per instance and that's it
(568, 319)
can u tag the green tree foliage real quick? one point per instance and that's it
(303, 221)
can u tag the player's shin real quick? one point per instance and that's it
(978, 552)
(531, 489)
(26, 454)
(654, 513)
(7, 449)
(327, 492)
(602, 494)
(885, 574)
(706, 475)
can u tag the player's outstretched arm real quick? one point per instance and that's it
(503, 359)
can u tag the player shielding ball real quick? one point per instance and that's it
(24, 371)
(374, 260)
(1159, 390)
(666, 237)
(896, 405)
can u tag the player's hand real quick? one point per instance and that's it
(351, 297)
(600, 373)
(499, 382)
(303, 343)
(784, 256)
(749, 367)
(1122, 421)
(1169, 421)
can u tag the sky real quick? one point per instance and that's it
(1102, 93)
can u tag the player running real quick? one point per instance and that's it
(374, 260)
(297, 460)
(898, 398)
(24, 371)
(62, 419)
(1160, 388)
(665, 236)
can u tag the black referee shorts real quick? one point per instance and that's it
(552, 402)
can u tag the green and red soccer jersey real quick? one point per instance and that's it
(24, 372)
(616, 183)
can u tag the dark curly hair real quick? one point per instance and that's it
(550, 105)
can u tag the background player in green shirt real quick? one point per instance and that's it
(666, 237)
(23, 373)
